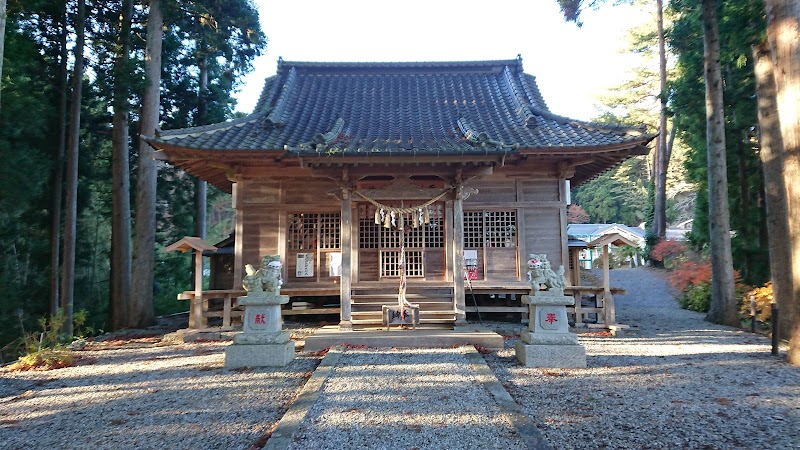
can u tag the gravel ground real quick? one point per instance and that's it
(141, 394)
(676, 381)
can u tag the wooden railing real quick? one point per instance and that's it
(581, 312)
(200, 310)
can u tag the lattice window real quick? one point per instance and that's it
(390, 263)
(494, 229)
(390, 238)
(313, 231)
(434, 237)
(473, 229)
(329, 225)
(368, 230)
(302, 233)
(500, 228)
(414, 237)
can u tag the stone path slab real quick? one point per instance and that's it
(405, 398)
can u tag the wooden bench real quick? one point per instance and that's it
(199, 311)
(199, 307)
(601, 303)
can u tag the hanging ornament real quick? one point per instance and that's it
(415, 219)
(377, 217)
(426, 215)
(387, 221)
(400, 221)
(394, 220)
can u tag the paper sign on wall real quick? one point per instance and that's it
(305, 265)
(335, 264)
(470, 264)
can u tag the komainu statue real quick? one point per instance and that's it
(542, 275)
(266, 279)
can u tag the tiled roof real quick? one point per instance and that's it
(360, 109)
(593, 230)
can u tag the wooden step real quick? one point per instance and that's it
(435, 305)
(423, 306)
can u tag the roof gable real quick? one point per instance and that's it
(447, 109)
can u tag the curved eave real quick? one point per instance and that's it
(217, 166)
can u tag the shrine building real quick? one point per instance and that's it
(365, 175)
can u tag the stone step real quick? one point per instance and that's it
(425, 336)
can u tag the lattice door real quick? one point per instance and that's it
(415, 240)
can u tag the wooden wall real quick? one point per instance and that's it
(537, 199)
(541, 217)
(263, 206)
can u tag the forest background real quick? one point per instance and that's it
(207, 46)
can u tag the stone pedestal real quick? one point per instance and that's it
(262, 342)
(548, 341)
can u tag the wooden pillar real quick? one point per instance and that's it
(562, 220)
(238, 263)
(458, 256)
(609, 315)
(346, 230)
(522, 236)
(575, 275)
(196, 319)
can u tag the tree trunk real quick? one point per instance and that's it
(200, 187)
(661, 158)
(71, 205)
(200, 193)
(783, 34)
(120, 174)
(723, 308)
(145, 238)
(772, 161)
(2, 38)
(58, 170)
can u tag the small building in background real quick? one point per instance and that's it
(588, 232)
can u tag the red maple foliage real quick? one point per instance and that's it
(668, 248)
(690, 273)
(576, 214)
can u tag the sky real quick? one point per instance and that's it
(572, 65)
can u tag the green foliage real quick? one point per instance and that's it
(617, 196)
(696, 297)
(50, 335)
(228, 30)
(741, 25)
(47, 349)
(47, 359)
(25, 148)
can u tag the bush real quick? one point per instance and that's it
(692, 279)
(669, 252)
(46, 359)
(689, 273)
(763, 297)
(47, 349)
(696, 297)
